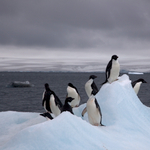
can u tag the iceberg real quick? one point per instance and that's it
(125, 118)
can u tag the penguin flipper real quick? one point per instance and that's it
(107, 71)
(97, 106)
(84, 111)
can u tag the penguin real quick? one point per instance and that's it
(90, 86)
(136, 84)
(66, 106)
(93, 111)
(112, 70)
(55, 104)
(46, 98)
(73, 92)
(47, 115)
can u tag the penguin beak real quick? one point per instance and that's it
(94, 77)
(144, 81)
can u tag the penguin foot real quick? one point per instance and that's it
(96, 124)
(102, 125)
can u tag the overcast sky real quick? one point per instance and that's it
(72, 28)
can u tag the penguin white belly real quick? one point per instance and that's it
(43, 95)
(54, 108)
(45, 106)
(75, 102)
(114, 72)
(72, 93)
(137, 87)
(88, 88)
(93, 113)
(44, 101)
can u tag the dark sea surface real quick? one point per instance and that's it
(29, 99)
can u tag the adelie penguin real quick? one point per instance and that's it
(94, 112)
(66, 106)
(73, 92)
(90, 86)
(112, 70)
(136, 84)
(51, 102)
(46, 98)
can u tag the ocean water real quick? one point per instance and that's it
(29, 99)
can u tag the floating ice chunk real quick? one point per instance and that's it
(20, 84)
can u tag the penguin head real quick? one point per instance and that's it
(92, 77)
(115, 57)
(47, 86)
(141, 80)
(69, 99)
(70, 84)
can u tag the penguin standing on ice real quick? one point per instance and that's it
(51, 102)
(112, 70)
(90, 86)
(46, 98)
(136, 84)
(73, 92)
(66, 106)
(55, 104)
(94, 112)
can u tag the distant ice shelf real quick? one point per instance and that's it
(135, 73)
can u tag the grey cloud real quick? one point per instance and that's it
(80, 23)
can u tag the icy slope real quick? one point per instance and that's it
(126, 119)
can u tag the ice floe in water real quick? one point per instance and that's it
(126, 120)
(20, 84)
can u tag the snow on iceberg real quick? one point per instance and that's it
(125, 118)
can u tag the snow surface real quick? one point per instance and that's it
(126, 120)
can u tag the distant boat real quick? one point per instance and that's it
(135, 73)
(21, 84)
